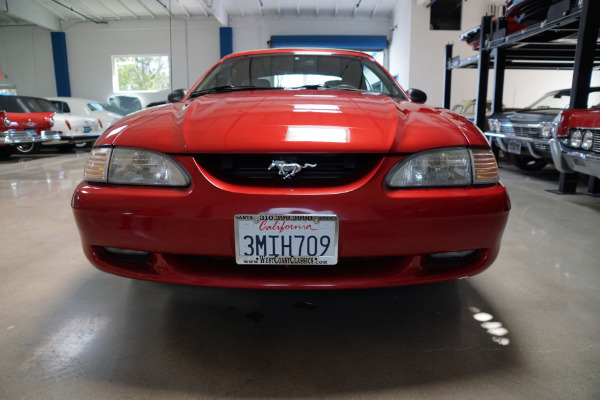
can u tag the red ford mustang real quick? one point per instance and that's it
(296, 169)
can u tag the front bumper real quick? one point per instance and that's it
(13, 137)
(569, 160)
(528, 144)
(72, 139)
(385, 236)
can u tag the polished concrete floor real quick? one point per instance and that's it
(527, 328)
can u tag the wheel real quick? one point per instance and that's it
(28, 148)
(528, 163)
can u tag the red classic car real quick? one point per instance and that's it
(576, 147)
(71, 130)
(23, 129)
(296, 169)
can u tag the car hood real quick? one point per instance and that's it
(288, 121)
(530, 116)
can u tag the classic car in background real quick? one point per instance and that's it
(123, 105)
(292, 169)
(24, 129)
(525, 135)
(577, 144)
(70, 130)
(529, 12)
(85, 108)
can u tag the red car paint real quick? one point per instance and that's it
(385, 235)
(34, 122)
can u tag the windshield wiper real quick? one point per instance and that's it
(227, 89)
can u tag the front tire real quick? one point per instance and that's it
(28, 148)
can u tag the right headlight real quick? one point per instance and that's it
(494, 125)
(134, 166)
(445, 167)
(6, 122)
(588, 140)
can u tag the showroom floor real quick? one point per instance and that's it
(527, 328)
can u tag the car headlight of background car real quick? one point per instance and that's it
(548, 129)
(134, 166)
(445, 167)
(495, 125)
(580, 139)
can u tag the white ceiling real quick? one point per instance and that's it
(52, 13)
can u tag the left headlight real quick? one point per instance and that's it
(134, 166)
(445, 167)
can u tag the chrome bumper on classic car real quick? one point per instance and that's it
(20, 137)
(512, 137)
(73, 139)
(513, 143)
(571, 160)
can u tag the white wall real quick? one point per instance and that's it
(90, 47)
(254, 33)
(415, 55)
(26, 60)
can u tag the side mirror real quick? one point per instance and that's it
(176, 95)
(416, 95)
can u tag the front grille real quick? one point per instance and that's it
(253, 169)
(529, 131)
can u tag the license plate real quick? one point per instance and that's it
(297, 239)
(514, 147)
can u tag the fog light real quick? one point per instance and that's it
(126, 252)
(588, 140)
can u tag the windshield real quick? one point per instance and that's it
(96, 106)
(25, 104)
(562, 100)
(289, 70)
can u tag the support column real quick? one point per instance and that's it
(447, 77)
(226, 40)
(61, 64)
(484, 73)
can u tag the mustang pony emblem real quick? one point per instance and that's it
(289, 169)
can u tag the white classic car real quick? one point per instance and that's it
(85, 108)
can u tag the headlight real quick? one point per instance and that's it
(548, 129)
(134, 166)
(576, 137)
(445, 167)
(51, 121)
(494, 125)
(6, 122)
(588, 140)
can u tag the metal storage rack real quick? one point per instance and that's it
(567, 39)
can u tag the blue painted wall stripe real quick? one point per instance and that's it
(349, 42)
(61, 64)
(226, 40)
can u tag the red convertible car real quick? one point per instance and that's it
(292, 169)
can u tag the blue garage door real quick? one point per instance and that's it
(362, 43)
